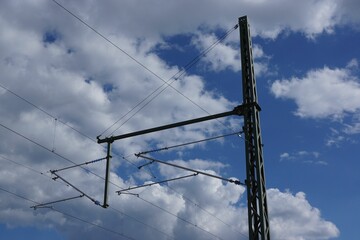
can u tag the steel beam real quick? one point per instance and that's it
(239, 110)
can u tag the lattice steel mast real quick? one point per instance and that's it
(258, 218)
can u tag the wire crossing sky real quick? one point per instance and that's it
(70, 70)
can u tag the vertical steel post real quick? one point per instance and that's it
(256, 191)
(107, 172)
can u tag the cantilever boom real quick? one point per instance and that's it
(239, 110)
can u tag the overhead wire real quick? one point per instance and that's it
(182, 196)
(54, 118)
(168, 84)
(174, 215)
(141, 222)
(52, 150)
(78, 165)
(237, 182)
(41, 145)
(57, 176)
(54, 137)
(36, 143)
(23, 165)
(59, 155)
(46, 112)
(69, 215)
(154, 183)
(95, 225)
(168, 212)
(46, 205)
(182, 219)
(76, 188)
(190, 143)
(191, 63)
(48, 149)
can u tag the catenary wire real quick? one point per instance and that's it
(45, 112)
(31, 169)
(128, 55)
(182, 196)
(43, 205)
(180, 218)
(46, 205)
(57, 176)
(23, 165)
(168, 83)
(237, 182)
(155, 183)
(56, 119)
(50, 115)
(141, 222)
(32, 141)
(49, 150)
(168, 212)
(174, 215)
(190, 143)
(69, 215)
(189, 200)
(94, 224)
(78, 165)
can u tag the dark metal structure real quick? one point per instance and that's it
(255, 173)
(258, 218)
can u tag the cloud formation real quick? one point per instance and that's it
(314, 94)
(79, 81)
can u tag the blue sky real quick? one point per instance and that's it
(62, 84)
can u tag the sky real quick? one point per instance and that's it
(72, 71)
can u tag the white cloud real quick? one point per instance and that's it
(309, 157)
(352, 129)
(321, 93)
(189, 207)
(66, 77)
(349, 10)
(226, 55)
(353, 63)
(284, 155)
(307, 224)
(223, 56)
(311, 17)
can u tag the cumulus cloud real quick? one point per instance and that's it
(315, 93)
(226, 55)
(307, 225)
(311, 17)
(79, 81)
(201, 207)
(326, 93)
(222, 57)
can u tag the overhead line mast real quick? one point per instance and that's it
(258, 219)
